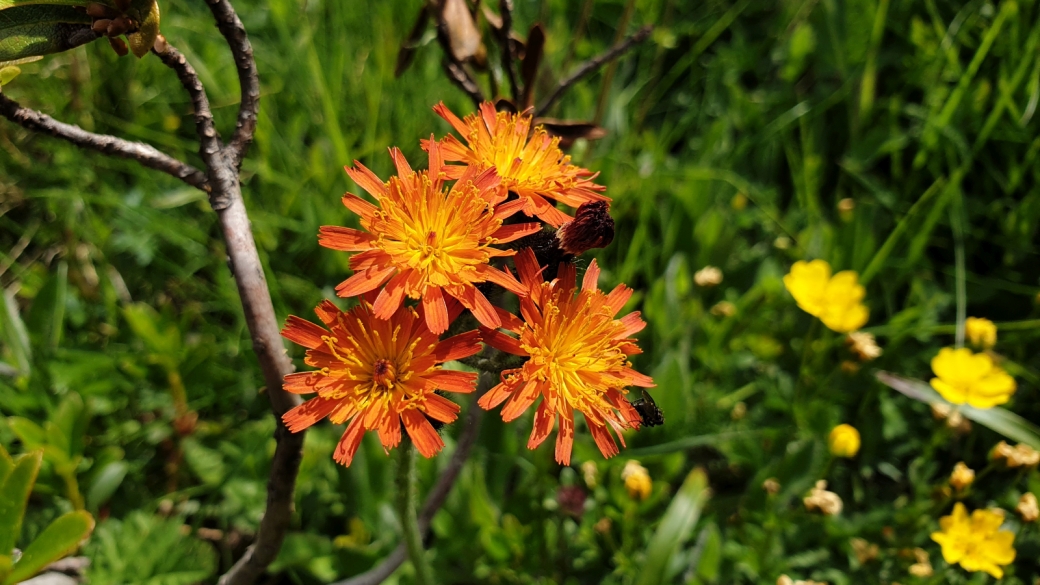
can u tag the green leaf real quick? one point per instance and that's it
(675, 529)
(72, 418)
(13, 331)
(145, 321)
(6, 465)
(29, 433)
(4, 4)
(6, 564)
(27, 31)
(14, 494)
(8, 73)
(998, 419)
(105, 483)
(62, 537)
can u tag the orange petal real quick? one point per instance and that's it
(509, 208)
(521, 401)
(528, 269)
(514, 231)
(617, 298)
(389, 431)
(604, 441)
(443, 111)
(349, 442)
(566, 277)
(636, 379)
(327, 312)
(344, 239)
(365, 179)
(303, 332)
(633, 324)
(359, 206)
(545, 211)
(544, 418)
(426, 439)
(301, 382)
(458, 347)
(477, 303)
(364, 281)
(391, 297)
(502, 278)
(565, 437)
(440, 408)
(502, 342)
(509, 320)
(435, 310)
(308, 413)
(495, 396)
(400, 163)
(453, 380)
(591, 277)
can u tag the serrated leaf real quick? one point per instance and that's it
(62, 537)
(14, 494)
(675, 528)
(41, 29)
(998, 419)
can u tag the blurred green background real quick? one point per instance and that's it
(744, 135)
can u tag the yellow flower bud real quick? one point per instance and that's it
(981, 332)
(637, 480)
(962, 476)
(844, 441)
(1027, 507)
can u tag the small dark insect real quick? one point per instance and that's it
(648, 411)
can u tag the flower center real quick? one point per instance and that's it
(384, 373)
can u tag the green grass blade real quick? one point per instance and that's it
(678, 523)
(998, 419)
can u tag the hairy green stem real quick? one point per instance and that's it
(407, 495)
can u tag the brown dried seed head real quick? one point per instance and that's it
(592, 227)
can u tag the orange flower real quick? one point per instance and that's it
(531, 164)
(378, 374)
(578, 358)
(424, 240)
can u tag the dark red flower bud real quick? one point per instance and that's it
(592, 227)
(571, 500)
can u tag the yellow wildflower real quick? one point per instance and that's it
(964, 377)
(844, 441)
(981, 332)
(976, 543)
(835, 300)
(1027, 507)
(962, 476)
(637, 480)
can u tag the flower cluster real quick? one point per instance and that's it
(442, 237)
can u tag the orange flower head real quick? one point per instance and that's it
(425, 241)
(531, 164)
(378, 374)
(578, 358)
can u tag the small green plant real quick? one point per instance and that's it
(64, 535)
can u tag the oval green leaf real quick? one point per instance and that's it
(63, 536)
(14, 494)
(32, 30)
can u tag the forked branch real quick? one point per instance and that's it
(592, 65)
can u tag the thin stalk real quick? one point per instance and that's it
(407, 496)
(956, 217)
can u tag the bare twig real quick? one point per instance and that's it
(231, 27)
(591, 65)
(439, 492)
(144, 154)
(458, 74)
(506, 8)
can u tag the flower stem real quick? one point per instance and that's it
(407, 493)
